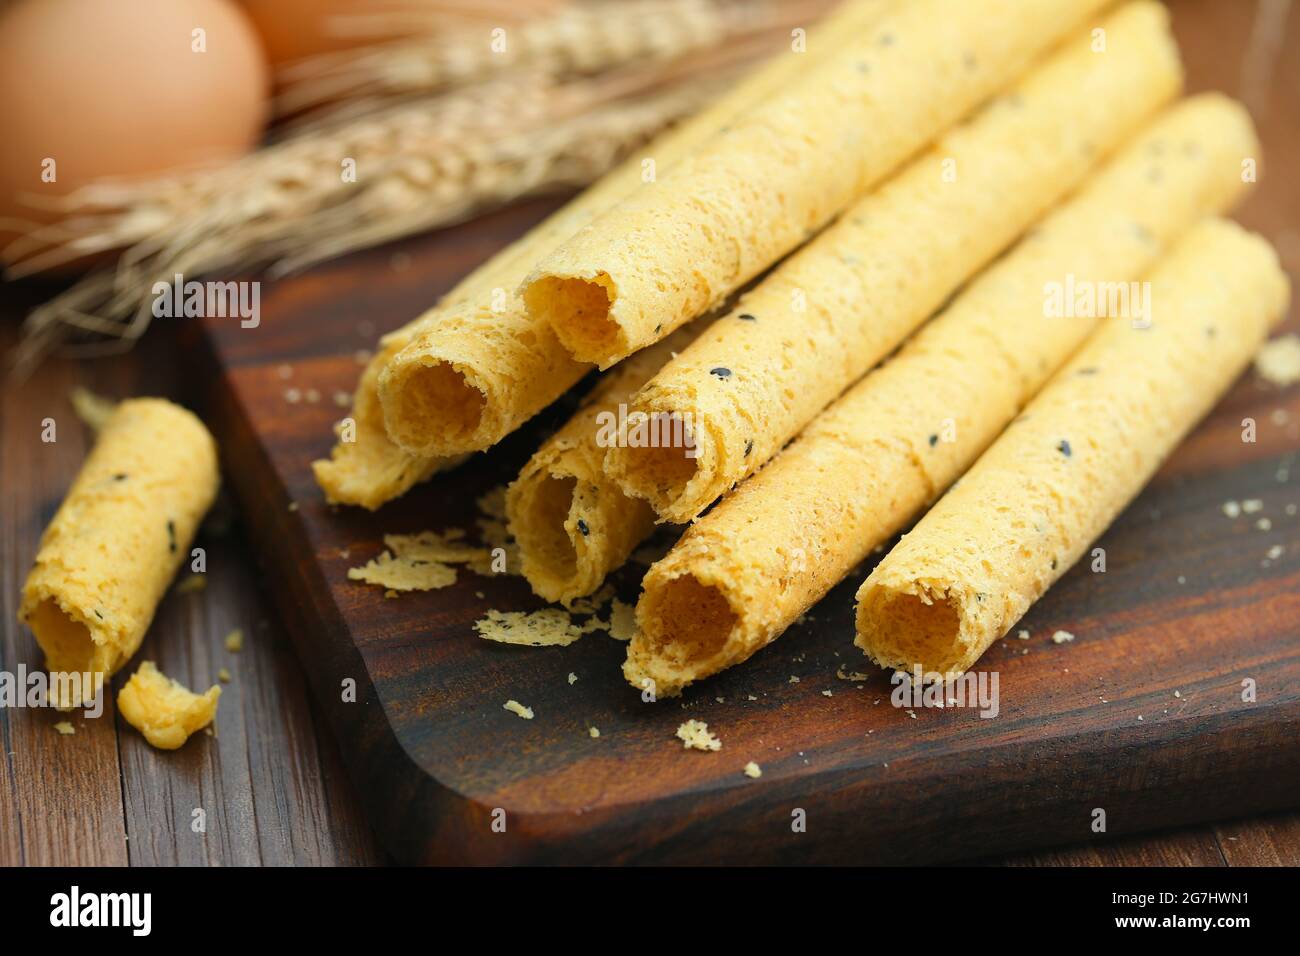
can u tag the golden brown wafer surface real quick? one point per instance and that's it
(1080, 452)
(864, 467)
(838, 306)
(782, 171)
(477, 366)
(116, 541)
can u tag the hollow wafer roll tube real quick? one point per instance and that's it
(838, 306)
(784, 170)
(370, 468)
(572, 524)
(863, 469)
(1082, 450)
(116, 541)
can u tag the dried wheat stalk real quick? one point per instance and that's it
(584, 38)
(421, 162)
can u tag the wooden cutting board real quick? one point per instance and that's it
(1141, 716)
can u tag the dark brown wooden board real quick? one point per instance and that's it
(1187, 605)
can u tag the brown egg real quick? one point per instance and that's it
(292, 29)
(93, 89)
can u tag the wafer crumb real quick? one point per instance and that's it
(549, 627)
(694, 735)
(1062, 637)
(753, 770)
(65, 728)
(591, 603)
(192, 584)
(1252, 505)
(235, 641)
(419, 562)
(1023, 634)
(593, 731)
(223, 675)
(622, 621)
(842, 674)
(518, 709)
(1278, 361)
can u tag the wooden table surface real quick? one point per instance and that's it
(271, 784)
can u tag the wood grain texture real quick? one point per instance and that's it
(1142, 715)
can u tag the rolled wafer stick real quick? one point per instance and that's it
(1082, 450)
(835, 308)
(784, 170)
(119, 536)
(447, 403)
(863, 468)
(573, 525)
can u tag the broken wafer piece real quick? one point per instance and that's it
(165, 711)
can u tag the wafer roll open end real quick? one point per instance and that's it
(687, 626)
(366, 468)
(579, 309)
(572, 523)
(572, 531)
(468, 380)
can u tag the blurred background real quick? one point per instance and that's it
(153, 137)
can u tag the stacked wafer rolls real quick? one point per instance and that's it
(849, 297)
(371, 468)
(1082, 450)
(861, 470)
(861, 109)
(783, 171)
(572, 523)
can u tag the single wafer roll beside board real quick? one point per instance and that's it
(572, 524)
(482, 366)
(782, 171)
(122, 531)
(1082, 450)
(838, 306)
(863, 468)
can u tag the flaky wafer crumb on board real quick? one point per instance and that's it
(1278, 361)
(695, 735)
(518, 709)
